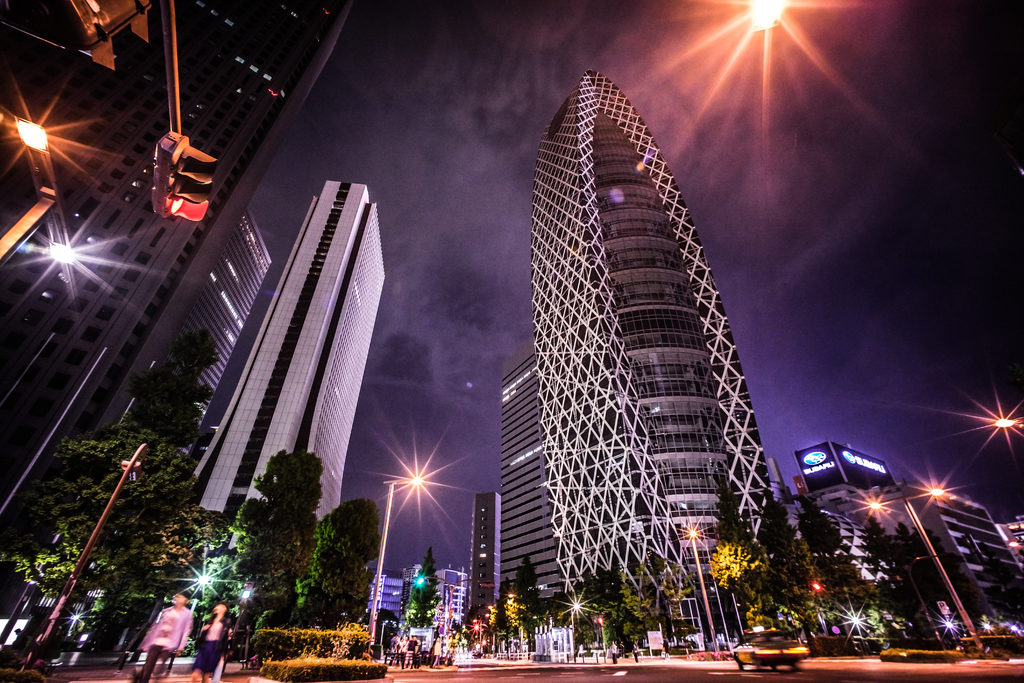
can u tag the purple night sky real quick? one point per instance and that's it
(863, 225)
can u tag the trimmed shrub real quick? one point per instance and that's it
(922, 656)
(1007, 644)
(15, 676)
(832, 646)
(350, 642)
(318, 669)
(709, 657)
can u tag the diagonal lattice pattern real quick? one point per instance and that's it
(643, 401)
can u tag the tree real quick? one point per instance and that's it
(156, 533)
(527, 595)
(788, 575)
(423, 595)
(739, 563)
(336, 588)
(276, 532)
(169, 398)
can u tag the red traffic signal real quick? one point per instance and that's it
(182, 178)
(600, 620)
(817, 587)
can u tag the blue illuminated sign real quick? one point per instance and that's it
(863, 462)
(815, 458)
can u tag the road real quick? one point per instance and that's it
(834, 671)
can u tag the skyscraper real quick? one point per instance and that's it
(300, 386)
(643, 404)
(485, 556)
(72, 334)
(525, 509)
(224, 303)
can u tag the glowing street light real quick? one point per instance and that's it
(33, 135)
(1005, 423)
(764, 14)
(62, 253)
(937, 492)
(416, 481)
(693, 534)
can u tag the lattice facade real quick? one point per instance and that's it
(644, 406)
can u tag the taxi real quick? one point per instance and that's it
(769, 648)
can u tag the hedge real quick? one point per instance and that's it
(922, 656)
(317, 669)
(832, 646)
(350, 642)
(1013, 645)
(15, 676)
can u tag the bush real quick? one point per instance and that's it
(15, 676)
(1013, 645)
(922, 656)
(350, 642)
(315, 669)
(832, 646)
(709, 657)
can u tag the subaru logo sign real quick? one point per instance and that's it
(814, 458)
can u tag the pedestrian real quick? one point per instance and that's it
(213, 644)
(403, 646)
(435, 651)
(636, 652)
(614, 652)
(412, 648)
(392, 650)
(167, 636)
(583, 654)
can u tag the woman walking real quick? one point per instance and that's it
(213, 644)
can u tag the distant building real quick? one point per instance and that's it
(224, 303)
(409, 575)
(485, 555)
(452, 586)
(525, 507)
(300, 386)
(390, 593)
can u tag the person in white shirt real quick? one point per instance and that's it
(168, 635)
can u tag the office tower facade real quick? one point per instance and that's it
(73, 333)
(300, 386)
(409, 575)
(484, 553)
(526, 529)
(389, 595)
(644, 406)
(452, 586)
(225, 301)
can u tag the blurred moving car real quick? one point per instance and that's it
(769, 648)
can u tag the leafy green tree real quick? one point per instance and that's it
(528, 596)
(739, 563)
(156, 533)
(276, 532)
(336, 589)
(423, 596)
(169, 397)
(663, 586)
(611, 595)
(789, 568)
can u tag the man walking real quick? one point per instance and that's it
(167, 636)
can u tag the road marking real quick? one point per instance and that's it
(619, 673)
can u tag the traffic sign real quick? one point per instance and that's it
(944, 608)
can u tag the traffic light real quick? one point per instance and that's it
(817, 587)
(420, 580)
(182, 178)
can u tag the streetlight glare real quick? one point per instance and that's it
(875, 505)
(32, 134)
(765, 13)
(937, 492)
(62, 253)
(416, 481)
(1004, 423)
(692, 533)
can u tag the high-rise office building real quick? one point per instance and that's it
(485, 553)
(300, 386)
(389, 596)
(644, 407)
(452, 587)
(73, 333)
(525, 509)
(225, 301)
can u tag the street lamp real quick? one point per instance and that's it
(937, 492)
(764, 14)
(693, 534)
(415, 481)
(33, 135)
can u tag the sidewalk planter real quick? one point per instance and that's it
(349, 642)
(318, 670)
(15, 676)
(922, 656)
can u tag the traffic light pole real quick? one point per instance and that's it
(171, 63)
(58, 607)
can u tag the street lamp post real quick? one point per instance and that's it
(693, 534)
(415, 481)
(130, 468)
(936, 493)
(924, 607)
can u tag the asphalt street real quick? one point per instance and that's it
(833, 671)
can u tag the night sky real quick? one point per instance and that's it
(863, 225)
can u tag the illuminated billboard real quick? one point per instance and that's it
(829, 464)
